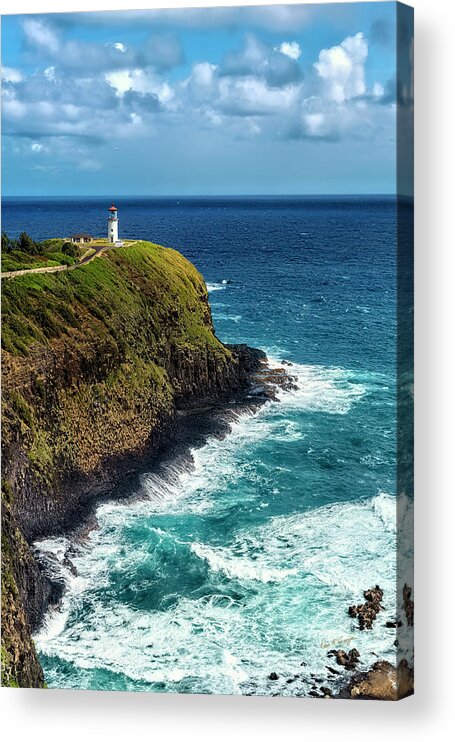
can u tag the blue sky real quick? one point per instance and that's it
(254, 100)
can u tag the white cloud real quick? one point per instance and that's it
(342, 68)
(120, 92)
(140, 81)
(14, 108)
(277, 67)
(231, 95)
(201, 84)
(290, 49)
(252, 96)
(9, 74)
(377, 90)
(49, 73)
(315, 124)
(41, 35)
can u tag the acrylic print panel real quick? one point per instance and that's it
(207, 351)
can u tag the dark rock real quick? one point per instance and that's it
(273, 676)
(367, 612)
(348, 660)
(408, 605)
(383, 682)
(374, 595)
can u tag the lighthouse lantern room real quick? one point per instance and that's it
(112, 225)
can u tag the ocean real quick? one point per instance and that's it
(243, 565)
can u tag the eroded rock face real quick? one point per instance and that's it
(383, 682)
(22, 584)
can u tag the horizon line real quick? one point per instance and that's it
(205, 195)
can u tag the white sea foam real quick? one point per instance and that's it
(297, 573)
(229, 317)
(321, 389)
(215, 287)
(310, 566)
(222, 560)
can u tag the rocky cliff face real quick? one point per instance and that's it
(97, 365)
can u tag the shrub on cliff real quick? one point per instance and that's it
(27, 244)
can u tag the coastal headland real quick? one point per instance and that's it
(105, 369)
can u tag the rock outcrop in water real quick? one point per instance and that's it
(366, 612)
(348, 660)
(383, 682)
(102, 369)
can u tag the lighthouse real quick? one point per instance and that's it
(112, 225)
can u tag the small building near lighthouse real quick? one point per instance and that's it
(112, 225)
(82, 238)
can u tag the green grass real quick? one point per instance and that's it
(140, 296)
(18, 260)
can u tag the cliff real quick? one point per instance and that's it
(99, 366)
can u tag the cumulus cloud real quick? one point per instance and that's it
(290, 49)
(9, 74)
(141, 102)
(92, 92)
(161, 52)
(342, 68)
(253, 81)
(250, 96)
(259, 60)
(119, 46)
(143, 82)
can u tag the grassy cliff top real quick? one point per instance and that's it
(45, 254)
(142, 294)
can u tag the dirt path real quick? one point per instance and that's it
(57, 268)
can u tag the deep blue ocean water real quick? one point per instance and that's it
(245, 565)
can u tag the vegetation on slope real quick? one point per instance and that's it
(25, 253)
(95, 363)
(107, 293)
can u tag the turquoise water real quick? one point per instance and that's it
(245, 562)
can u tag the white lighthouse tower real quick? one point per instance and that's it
(112, 225)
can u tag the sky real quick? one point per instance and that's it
(225, 101)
